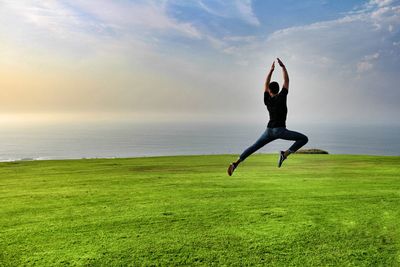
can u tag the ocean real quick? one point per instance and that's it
(73, 140)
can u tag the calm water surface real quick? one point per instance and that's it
(133, 139)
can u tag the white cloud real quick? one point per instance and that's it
(47, 15)
(95, 19)
(349, 37)
(246, 12)
(367, 63)
(364, 66)
(380, 3)
(372, 56)
(148, 15)
(237, 38)
(241, 9)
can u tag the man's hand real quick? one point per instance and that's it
(268, 80)
(285, 74)
(280, 63)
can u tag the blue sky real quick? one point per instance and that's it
(203, 58)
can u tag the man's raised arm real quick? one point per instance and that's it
(285, 75)
(269, 77)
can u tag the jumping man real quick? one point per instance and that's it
(276, 129)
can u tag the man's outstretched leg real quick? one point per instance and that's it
(264, 139)
(300, 139)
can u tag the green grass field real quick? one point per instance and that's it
(318, 210)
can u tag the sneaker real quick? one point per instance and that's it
(231, 168)
(281, 158)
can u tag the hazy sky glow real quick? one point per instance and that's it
(200, 57)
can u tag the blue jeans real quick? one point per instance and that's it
(272, 134)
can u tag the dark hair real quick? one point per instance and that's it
(274, 87)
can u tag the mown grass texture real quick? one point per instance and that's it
(317, 210)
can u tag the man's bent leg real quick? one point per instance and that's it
(300, 139)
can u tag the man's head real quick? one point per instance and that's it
(273, 88)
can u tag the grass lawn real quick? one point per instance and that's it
(318, 210)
